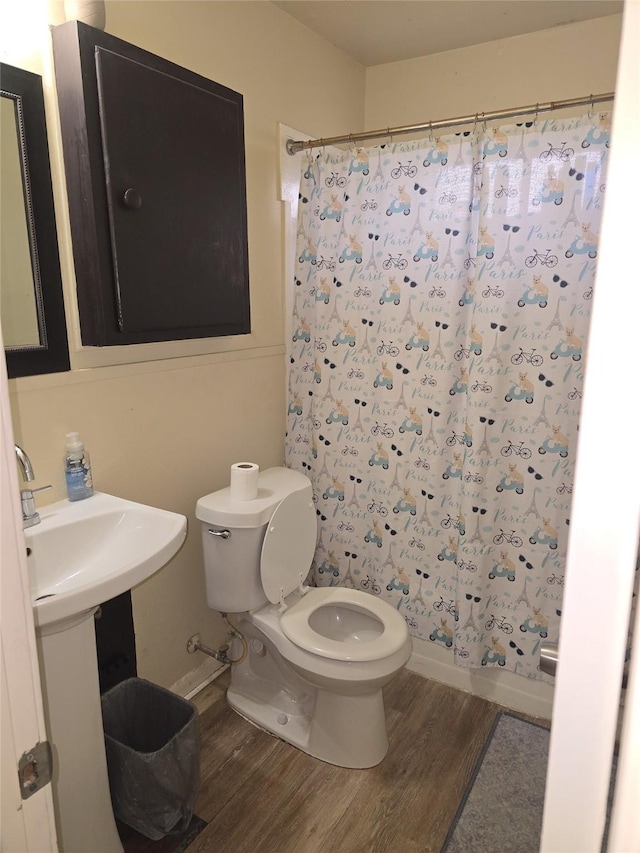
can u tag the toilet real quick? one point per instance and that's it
(316, 658)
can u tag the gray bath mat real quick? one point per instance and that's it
(501, 811)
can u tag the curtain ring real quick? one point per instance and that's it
(535, 118)
(475, 123)
(484, 124)
(431, 131)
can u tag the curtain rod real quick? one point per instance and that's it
(293, 146)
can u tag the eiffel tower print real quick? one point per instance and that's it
(418, 598)
(389, 562)
(328, 394)
(484, 447)
(542, 417)
(532, 508)
(324, 471)
(417, 224)
(378, 175)
(395, 482)
(408, 317)
(556, 322)
(424, 518)
(460, 161)
(470, 623)
(371, 263)
(364, 346)
(401, 401)
(494, 355)
(438, 347)
(348, 577)
(506, 255)
(523, 597)
(334, 313)
(430, 436)
(477, 536)
(354, 498)
(571, 216)
(521, 154)
(448, 260)
(358, 424)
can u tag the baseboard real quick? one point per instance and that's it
(525, 695)
(504, 688)
(197, 679)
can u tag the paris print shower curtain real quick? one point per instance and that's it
(442, 296)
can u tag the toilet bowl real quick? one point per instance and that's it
(317, 658)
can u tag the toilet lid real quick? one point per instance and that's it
(289, 545)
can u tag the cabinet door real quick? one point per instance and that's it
(164, 153)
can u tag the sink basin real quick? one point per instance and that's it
(85, 552)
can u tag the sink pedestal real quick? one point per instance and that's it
(71, 692)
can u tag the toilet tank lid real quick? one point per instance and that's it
(274, 484)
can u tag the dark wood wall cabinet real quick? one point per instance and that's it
(154, 161)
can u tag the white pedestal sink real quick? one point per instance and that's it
(80, 555)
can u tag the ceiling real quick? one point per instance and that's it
(377, 31)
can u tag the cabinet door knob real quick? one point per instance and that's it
(132, 199)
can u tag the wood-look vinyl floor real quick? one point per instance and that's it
(260, 795)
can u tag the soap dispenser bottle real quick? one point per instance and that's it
(77, 469)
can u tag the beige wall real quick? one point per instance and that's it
(550, 65)
(165, 432)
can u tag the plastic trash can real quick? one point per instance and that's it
(153, 754)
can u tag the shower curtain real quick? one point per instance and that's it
(442, 296)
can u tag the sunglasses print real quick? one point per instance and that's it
(481, 510)
(440, 325)
(496, 326)
(575, 174)
(514, 228)
(484, 420)
(544, 379)
(557, 279)
(434, 413)
(349, 554)
(453, 232)
(475, 598)
(535, 473)
(419, 189)
(518, 650)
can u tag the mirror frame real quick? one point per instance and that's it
(52, 355)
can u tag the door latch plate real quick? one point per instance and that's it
(35, 769)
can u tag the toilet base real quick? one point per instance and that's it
(348, 731)
(345, 730)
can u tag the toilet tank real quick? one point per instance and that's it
(232, 564)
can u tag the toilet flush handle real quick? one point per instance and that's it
(223, 534)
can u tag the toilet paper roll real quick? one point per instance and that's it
(244, 481)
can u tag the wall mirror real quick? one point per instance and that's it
(31, 303)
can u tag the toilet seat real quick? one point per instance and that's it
(294, 623)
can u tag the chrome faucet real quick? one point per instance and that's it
(29, 514)
(25, 464)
